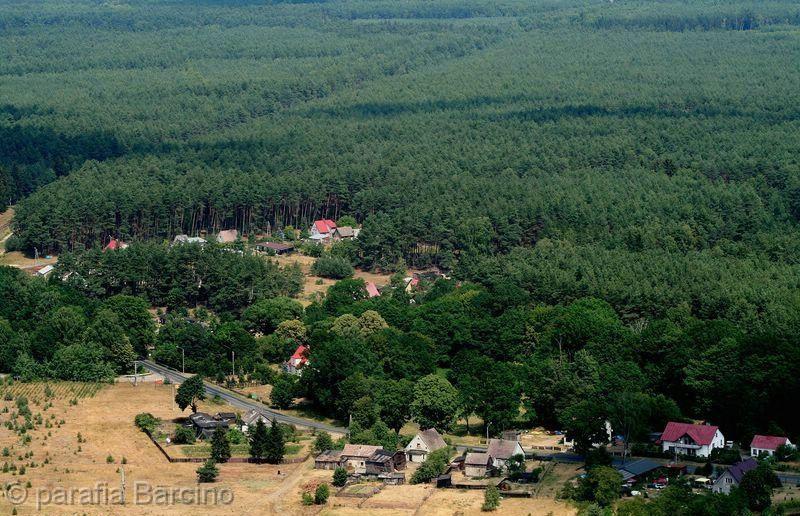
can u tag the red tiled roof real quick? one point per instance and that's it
(300, 352)
(372, 290)
(115, 244)
(767, 442)
(325, 225)
(700, 434)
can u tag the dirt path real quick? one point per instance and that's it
(276, 498)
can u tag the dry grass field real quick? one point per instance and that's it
(105, 422)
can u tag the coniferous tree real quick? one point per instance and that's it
(220, 446)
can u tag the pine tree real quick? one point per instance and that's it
(339, 477)
(258, 441)
(207, 472)
(275, 448)
(220, 446)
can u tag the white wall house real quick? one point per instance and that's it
(767, 444)
(422, 444)
(733, 476)
(500, 450)
(692, 440)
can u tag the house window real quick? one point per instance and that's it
(728, 480)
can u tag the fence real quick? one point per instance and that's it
(170, 458)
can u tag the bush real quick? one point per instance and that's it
(183, 435)
(332, 267)
(339, 477)
(312, 250)
(323, 442)
(432, 467)
(308, 498)
(491, 499)
(236, 436)
(725, 456)
(146, 422)
(208, 472)
(321, 494)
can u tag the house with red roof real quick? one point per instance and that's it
(372, 290)
(767, 444)
(298, 360)
(690, 439)
(115, 244)
(322, 229)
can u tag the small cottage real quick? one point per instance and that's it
(733, 476)
(422, 444)
(767, 444)
(501, 450)
(477, 464)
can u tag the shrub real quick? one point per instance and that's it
(321, 494)
(339, 477)
(323, 442)
(110, 459)
(491, 499)
(146, 422)
(183, 435)
(208, 472)
(308, 498)
(332, 267)
(432, 467)
(236, 436)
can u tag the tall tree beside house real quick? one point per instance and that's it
(220, 446)
(190, 392)
(323, 442)
(284, 390)
(435, 403)
(259, 441)
(758, 485)
(275, 447)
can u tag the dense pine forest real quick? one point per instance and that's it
(613, 187)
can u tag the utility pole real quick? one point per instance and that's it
(487, 432)
(122, 474)
(183, 361)
(233, 365)
(135, 375)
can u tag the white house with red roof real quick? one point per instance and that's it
(298, 360)
(767, 444)
(322, 229)
(690, 439)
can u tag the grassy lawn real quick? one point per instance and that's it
(237, 450)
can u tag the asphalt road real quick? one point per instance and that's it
(238, 400)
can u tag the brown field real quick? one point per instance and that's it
(106, 423)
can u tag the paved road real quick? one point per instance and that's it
(238, 400)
